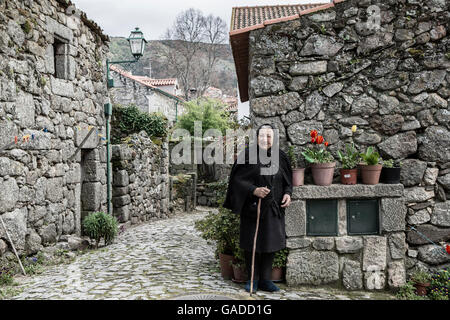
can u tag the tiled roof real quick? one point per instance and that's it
(160, 82)
(246, 19)
(145, 81)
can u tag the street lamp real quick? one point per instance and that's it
(137, 45)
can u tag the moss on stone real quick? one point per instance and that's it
(43, 82)
(26, 27)
(416, 52)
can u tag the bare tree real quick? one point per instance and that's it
(193, 52)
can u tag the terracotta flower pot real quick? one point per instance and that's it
(371, 174)
(298, 176)
(390, 175)
(277, 274)
(349, 176)
(421, 288)
(323, 173)
(239, 273)
(225, 266)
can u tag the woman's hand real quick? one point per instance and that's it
(286, 201)
(261, 192)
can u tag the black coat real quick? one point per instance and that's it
(244, 179)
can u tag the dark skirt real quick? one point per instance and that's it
(271, 233)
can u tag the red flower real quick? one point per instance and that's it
(447, 248)
(314, 134)
(313, 140)
(319, 140)
(326, 143)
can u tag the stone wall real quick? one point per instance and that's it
(52, 89)
(207, 196)
(140, 189)
(354, 262)
(330, 70)
(183, 192)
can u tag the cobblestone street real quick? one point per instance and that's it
(156, 260)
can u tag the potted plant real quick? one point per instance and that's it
(421, 281)
(349, 161)
(391, 171)
(221, 227)
(298, 174)
(279, 262)
(370, 168)
(238, 264)
(321, 160)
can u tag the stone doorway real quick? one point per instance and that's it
(92, 174)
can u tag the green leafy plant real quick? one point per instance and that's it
(293, 157)
(129, 119)
(223, 227)
(408, 292)
(6, 277)
(370, 157)
(100, 225)
(350, 158)
(388, 163)
(391, 163)
(421, 277)
(318, 152)
(280, 258)
(210, 112)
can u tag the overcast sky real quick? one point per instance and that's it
(119, 17)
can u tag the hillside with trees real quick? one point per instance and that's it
(197, 62)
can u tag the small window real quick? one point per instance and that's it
(362, 217)
(60, 57)
(321, 218)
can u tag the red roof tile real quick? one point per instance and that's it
(244, 17)
(149, 82)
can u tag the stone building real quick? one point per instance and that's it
(149, 95)
(383, 66)
(52, 91)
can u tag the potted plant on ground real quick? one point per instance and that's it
(421, 281)
(279, 263)
(238, 264)
(321, 160)
(370, 168)
(298, 174)
(221, 227)
(349, 161)
(391, 171)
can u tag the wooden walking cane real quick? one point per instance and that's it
(258, 213)
(12, 245)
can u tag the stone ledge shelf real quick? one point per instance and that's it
(355, 262)
(342, 191)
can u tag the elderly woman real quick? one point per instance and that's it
(247, 184)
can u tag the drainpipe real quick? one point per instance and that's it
(108, 113)
(176, 112)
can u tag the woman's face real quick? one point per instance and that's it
(265, 138)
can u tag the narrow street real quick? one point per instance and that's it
(157, 260)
